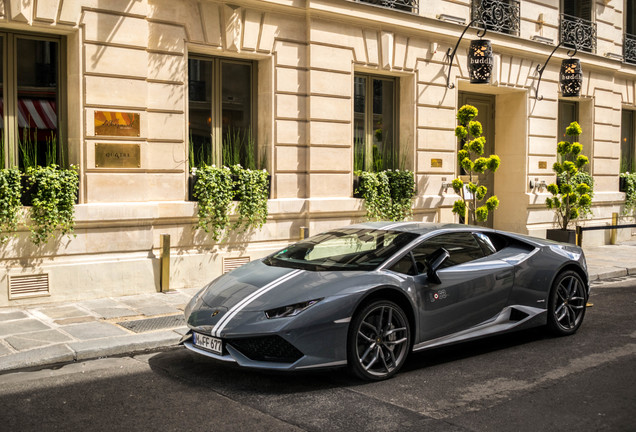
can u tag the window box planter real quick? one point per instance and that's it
(51, 193)
(29, 190)
(192, 179)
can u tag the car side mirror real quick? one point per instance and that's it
(433, 262)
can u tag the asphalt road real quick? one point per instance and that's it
(521, 382)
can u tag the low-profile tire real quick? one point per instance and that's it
(566, 304)
(379, 341)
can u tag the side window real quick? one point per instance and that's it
(486, 244)
(461, 246)
(405, 265)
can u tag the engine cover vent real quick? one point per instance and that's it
(28, 286)
(230, 264)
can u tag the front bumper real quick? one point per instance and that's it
(293, 359)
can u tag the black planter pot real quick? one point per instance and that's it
(27, 191)
(622, 184)
(356, 185)
(563, 236)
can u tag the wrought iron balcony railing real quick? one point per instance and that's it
(403, 5)
(498, 15)
(578, 33)
(629, 48)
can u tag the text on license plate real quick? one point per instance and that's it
(208, 342)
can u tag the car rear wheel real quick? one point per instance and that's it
(379, 341)
(567, 302)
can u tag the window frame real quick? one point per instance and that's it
(367, 164)
(563, 125)
(216, 100)
(632, 163)
(9, 41)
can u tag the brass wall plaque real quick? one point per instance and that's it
(116, 123)
(436, 163)
(117, 155)
(543, 165)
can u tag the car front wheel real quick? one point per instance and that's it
(567, 302)
(379, 340)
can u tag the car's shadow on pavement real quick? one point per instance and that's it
(197, 370)
(474, 348)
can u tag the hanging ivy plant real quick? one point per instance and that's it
(216, 188)
(54, 192)
(630, 193)
(388, 195)
(402, 187)
(252, 191)
(214, 192)
(10, 192)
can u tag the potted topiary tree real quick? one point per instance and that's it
(571, 196)
(473, 163)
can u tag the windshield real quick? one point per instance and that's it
(344, 249)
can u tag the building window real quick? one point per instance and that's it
(568, 113)
(628, 145)
(629, 44)
(501, 16)
(403, 5)
(375, 119)
(30, 101)
(221, 112)
(576, 27)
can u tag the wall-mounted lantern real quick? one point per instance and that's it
(570, 76)
(480, 59)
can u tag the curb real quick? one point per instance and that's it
(89, 350)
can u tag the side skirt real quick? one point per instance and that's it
(509, 319)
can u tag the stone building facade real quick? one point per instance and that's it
(307, 61)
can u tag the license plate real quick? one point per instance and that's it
(209, 343)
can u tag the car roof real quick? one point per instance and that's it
(417, 227)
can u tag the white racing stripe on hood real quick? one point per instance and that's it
(249, 299)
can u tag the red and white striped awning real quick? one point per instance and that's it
(34, 113)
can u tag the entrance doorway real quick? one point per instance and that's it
(485, 105)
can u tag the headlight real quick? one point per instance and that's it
(290, 310)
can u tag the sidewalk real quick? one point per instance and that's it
(44, 335)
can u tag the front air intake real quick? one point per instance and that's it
(267, 348)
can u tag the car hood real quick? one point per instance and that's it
(259, 287)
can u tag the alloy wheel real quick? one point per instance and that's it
(381, 340)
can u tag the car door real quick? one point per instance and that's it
(474, 286)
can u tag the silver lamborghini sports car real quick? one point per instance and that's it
(366, 295)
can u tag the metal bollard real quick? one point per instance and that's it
(613, 230)
(304, 232)
(164, 262)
